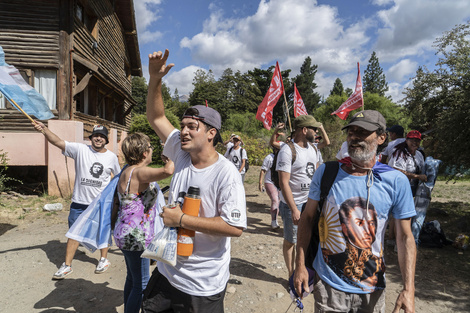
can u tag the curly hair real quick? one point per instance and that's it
(134, 146)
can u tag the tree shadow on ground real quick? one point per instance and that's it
(442, 274)
(55, 252)
(81, 295)
(260, 226)
(4, 227)
(243, 268)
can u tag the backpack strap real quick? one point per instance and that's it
(292, 149)
(327, 180)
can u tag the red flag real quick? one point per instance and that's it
(299, 106)
(265, 109)
(206, 103)
(354, 101)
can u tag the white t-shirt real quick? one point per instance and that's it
(412, 164)
(391, 147)
(92, 170)
(234, 156)
(301, 172)
(267, 164)
(343, 152)
(206, 271)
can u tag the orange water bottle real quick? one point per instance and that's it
(192, 202)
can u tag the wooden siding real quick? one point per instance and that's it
(29, 33)
(111, 53)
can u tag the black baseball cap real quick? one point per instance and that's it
(397, 129)
(100, 129)
(370, 120)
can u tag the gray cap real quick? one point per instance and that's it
(368, 119)
(306, 121)
(205, 114)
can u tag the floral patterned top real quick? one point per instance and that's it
(135, 225)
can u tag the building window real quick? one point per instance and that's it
(45, 82)
(88, 19)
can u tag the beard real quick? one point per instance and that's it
(365, 152)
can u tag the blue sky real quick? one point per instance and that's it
(336, 34)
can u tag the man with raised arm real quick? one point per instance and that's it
(197, 283)
(349, 260)
(94, 165)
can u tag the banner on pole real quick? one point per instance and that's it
(354, 101)
(15, 88)
(265, 109)
(299, 106)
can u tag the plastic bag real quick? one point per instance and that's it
(163, 246)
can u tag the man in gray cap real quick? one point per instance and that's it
(94, 165)
(350, 273)
(296, 164)
(197, 283)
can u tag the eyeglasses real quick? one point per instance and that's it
(312, 128)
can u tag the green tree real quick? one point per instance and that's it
(374, 78)
(139, 94)
(439, 100)
(306, 85)
(338, 88)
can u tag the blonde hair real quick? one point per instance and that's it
(134, 146)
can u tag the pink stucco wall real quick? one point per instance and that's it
(32, 149)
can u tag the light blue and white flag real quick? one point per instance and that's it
(14, 87)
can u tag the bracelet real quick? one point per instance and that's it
(181, 218)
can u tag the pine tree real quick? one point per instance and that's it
(338, 88)
(306, 85)
(374, 78)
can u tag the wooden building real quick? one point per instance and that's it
(80, 55)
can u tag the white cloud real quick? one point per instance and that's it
(182, 80)
(403, 70)
(146, 13)
(410, 27)
(395, 90)
(279, 30)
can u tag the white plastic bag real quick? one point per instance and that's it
(163, 246)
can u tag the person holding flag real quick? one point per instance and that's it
(94, 165)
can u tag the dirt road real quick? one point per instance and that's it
(32, 247)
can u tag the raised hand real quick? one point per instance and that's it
(157, 64)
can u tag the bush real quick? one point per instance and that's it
(3, 167)
(140, 124)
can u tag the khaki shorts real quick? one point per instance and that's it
(328, 299)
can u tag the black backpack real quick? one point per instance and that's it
(329, 175)
(247, 163)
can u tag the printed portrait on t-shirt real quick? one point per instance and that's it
(355, 262)
(96, 169)
(310, 169)
(235, 159)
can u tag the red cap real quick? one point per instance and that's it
(413, 134)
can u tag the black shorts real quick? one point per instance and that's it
(160, 296)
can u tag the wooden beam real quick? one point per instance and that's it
(82, 84)
(92, 66)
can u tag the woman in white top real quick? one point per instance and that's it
(408, 160)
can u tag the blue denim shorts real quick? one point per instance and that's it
(290, 230)
(75, 210)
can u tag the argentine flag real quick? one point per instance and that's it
(14, 87)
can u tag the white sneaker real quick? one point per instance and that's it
(102, 266)
(63, 272)
(274, 224)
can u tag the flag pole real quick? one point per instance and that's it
(21, 110)
(287, 109)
